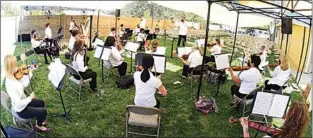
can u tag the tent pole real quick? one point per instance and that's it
(231, 58)
(90, 32)
(274, 31)
(306, 52)
(303, 41)
(286, 48)
(281, 41)
(205, 45)
(98, 20)
(152, 17)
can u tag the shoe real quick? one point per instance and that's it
(44, 123)
(40, 130)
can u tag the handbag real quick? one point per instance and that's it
(125, 82)
(206, 105)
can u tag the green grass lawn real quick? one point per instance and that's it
(94, 117)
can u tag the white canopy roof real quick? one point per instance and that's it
(219, 14)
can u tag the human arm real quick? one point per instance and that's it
(245, 128)
(116, 54)
(160, 87)
(235, 78)
(16, 94)
(184, 61)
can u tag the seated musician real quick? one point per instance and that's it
(122, 31)
(153, 48)
(247, 79)
(295, 122)
(137, 30)
(280, 75)
(146, 85)
(36, 46)
(74, 37)
(194, 59)
(141, 38)
(48, 35)
(79, 63)
(25, 107)
(72, 24)
(116, 59)
(113, 32)
(215, 50)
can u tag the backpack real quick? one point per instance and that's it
(125, 82)
(206, 105)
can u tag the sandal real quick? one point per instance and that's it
(40, 130)
(44, 123)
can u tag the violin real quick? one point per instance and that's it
(118, 44)
(238, 68)
(273, 65)
(258, 126)
(21, 71)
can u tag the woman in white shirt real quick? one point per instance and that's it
(247, 79)
(36, 46)
(280, 75)
(215, 50)
(146, 85)
(116, 60)
(263, 55)
(194, 59)
(122, 31)
(74, 37)
(79, 64)
(183, 29)
(25, 107)
(48, 34)
(137, 30)
(141, 38)
(72, 24)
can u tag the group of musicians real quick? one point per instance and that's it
(147, 83)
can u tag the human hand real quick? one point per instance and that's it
(244, 122)
(229, 69)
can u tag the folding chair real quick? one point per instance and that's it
(244, 102)
(143, 117)
(108, 65)
(37, 56)
(79, 82)
(17, 120)
(196, 72)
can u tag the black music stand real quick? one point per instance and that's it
(173, 39)
(131, 55)
(100, 58)
(139, 57)
(59, 88)
(219, 81)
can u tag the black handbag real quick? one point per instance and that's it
(125, 82)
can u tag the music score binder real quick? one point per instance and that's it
(159, 62)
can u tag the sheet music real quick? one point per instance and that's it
(200, 42)
(161, 50)
(98, 52)
(221, 61)
(183, 50)
(279, 105)
(106, 54)
(159, 64)
(262, 103)
(130, 46)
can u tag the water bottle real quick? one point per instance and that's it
(101, 94)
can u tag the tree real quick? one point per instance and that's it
(8, 9)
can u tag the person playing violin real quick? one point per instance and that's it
(36, 46)
(195, 59)
(215, 50)
(247, 79)
(279, 76)
(295, 122)
(25, 107)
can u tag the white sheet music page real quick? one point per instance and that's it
(106, 54)
(183, 50)
(159, 64)
(262, 103)
(221, 61)
(98, 52)
(130, 46)
(279, 105)
(200, 42)
(161, 50)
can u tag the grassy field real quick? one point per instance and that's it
(93, 117)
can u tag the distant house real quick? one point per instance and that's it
(261, 33)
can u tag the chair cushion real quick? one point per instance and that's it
(78, 81)
(19, 119)
(143, 120)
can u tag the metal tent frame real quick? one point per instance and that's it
(274, 11)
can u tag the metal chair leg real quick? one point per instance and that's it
(126, 129)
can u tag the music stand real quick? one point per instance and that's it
(102, 53)
(132, 48)
(173, 39)
(156, 67)
(222, 63)
(147, 32)
(59, 88)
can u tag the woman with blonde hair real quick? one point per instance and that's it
(294, 126)
(153, 47)
(25, 107)
(280, 75)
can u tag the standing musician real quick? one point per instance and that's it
(194, 59)
(183, 29)
(215, 50)
(116, 59)
(280, 75)
(263, 55)
(26, 107)
(141, 38)
(48, 35)
(72, 24)
(79, 64)
(121, 31)
(247, 79)
(146, 85)
(36, 46)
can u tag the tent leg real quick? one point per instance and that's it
(231, 58)
(306, 52)
(286, 48)
(303, 41)
(205, 45)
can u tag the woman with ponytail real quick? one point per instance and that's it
(146, 85)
